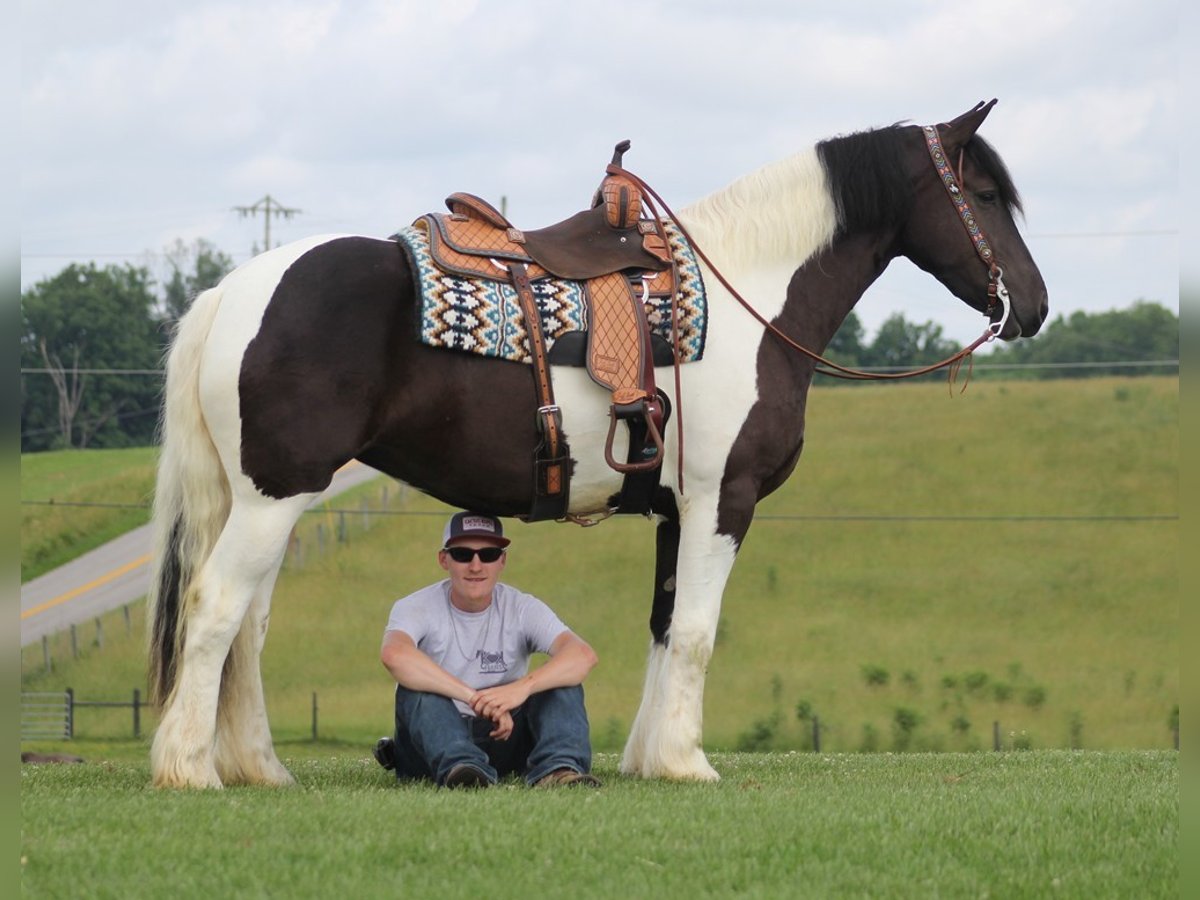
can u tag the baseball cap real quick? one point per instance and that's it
(474, 525)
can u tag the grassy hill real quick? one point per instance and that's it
(936, 564)
(54, 534)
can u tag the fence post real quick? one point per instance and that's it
(74, 644)
(137, 713)
(128, 623)
(816, 734)
(341, 526)
(70, 714)
(46, 652)
(366, 519)
(996, 736)
(320, 539)
(99, 633)
(383, 502)
(314, 717)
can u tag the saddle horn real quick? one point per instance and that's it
(619, 151)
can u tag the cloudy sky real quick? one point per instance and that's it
(148, 121)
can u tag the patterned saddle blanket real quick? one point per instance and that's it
(483, 315)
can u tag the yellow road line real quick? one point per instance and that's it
(115, 573)
(95, 583)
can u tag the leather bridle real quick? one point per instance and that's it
(997, 292)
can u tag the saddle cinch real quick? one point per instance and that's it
(622, 258)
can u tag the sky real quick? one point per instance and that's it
(145, 122)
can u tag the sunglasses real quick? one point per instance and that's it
(466, 554)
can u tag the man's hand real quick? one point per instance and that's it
(501, 700)
(504, 728)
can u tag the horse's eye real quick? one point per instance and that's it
(987, 196)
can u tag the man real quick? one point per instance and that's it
(468, 711)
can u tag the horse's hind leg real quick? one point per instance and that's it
(245, 753)
(243, 563)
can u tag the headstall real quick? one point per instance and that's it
(997, 292)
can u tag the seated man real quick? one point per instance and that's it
(468, 710)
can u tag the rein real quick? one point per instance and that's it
(997, 292)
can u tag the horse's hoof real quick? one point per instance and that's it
(188, 781)
(694, 768)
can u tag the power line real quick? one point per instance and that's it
(979, 367)
(272, 204)
(269, 207)
(872, 517)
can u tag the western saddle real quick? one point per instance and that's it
(622, 258)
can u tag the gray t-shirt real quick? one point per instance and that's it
(482, 649)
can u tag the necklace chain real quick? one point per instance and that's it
(486, 631)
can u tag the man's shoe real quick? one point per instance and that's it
(383, 753)
(465, 775)
(568, 778)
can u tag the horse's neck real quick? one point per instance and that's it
(782, 219)
(825, 289)
(776, 217)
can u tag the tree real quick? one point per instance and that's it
(194, 268)
(903, 344)
(82, 319)
(846, 348)
(1143, 333)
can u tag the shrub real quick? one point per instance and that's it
(1034, 697)
(875, 676)
(905, 722)
(975, 681)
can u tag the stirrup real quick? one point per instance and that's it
(641, 408)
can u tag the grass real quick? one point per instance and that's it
(1067, 824)
(1065, 631)
(53, 535)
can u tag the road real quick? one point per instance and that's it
(115, 574)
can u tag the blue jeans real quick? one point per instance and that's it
(549, 732)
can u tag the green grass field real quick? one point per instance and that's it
(935, 565)
(1013, 825)
(53, 535)
(897, 633)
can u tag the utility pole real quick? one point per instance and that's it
(270, 207)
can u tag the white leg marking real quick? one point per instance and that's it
(666, 738)
(245, 557)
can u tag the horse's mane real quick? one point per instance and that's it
(871, 187)
(788, 210)
(780, 213)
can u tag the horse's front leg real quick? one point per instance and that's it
(666, 738)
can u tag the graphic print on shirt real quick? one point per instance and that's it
(491, 663)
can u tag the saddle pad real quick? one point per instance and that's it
(483, 316)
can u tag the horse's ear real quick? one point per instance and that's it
(962, 129)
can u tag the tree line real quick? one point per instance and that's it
(1076, 346)
(92, 342)
(92, 339)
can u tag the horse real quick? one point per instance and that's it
(306, 357)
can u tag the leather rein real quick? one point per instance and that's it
(997, 292)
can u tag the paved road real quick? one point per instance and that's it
(114, 574)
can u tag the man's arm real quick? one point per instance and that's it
(416, 671)
(571, 659)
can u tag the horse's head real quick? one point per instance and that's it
(962, 231)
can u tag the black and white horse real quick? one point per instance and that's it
(306, 357)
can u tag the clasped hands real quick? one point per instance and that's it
(497, 703)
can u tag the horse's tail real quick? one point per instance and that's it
(191, 499)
